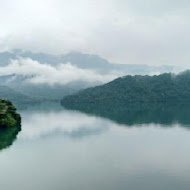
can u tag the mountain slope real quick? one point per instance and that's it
(20, 82)
(5, 57)
(83, 61)
(87, 61)
(19, 100)
(163, 88)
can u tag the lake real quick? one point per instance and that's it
(60, 149)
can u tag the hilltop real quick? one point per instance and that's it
(164, 88)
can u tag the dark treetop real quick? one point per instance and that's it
(8, 115)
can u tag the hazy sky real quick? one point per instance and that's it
(123, 31)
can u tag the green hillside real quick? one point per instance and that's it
(20, 100)
(164, 88)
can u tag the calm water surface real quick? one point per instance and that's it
(59, 149)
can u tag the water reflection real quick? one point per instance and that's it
(61, 149)
(38, 123)
(72, 124)
(8, 136)
(137, 114)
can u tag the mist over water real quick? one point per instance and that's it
(103, 90)
(62, 149)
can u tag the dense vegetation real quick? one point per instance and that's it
(130, 100)
(164, 88)
(8, 115)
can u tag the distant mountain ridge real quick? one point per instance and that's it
(20, 86)
(83, 61)
(6, 56)
(20, 100)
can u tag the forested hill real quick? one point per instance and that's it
(19, 99)
(164, 88)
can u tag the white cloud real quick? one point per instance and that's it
(65, 122)
(123, 31)
(47, 74)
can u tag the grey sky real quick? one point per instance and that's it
(123, 31)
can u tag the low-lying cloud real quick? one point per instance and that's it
(62, 74)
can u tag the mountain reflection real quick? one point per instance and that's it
(137, 114)
(8, 136)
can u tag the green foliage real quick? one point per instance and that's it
(163, 88)
(163, 99)
(8, 115)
